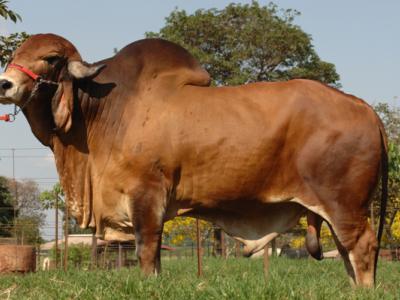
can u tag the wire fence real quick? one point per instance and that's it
(84, 251)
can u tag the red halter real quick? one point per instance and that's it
(24, 70)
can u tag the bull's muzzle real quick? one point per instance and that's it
(5, 85)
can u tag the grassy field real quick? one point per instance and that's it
(223, 279)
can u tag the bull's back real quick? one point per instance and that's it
(250, 141)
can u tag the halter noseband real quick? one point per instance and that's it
(38, 80)
(28, 72)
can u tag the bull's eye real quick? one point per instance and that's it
(53, 60)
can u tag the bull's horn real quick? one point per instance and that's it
(80, 70)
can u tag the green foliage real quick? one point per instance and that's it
(48, 198)
(248, 43)
(78, 254)
(223, 279)
(390, 116)
(9, 43)
(48, 201)
(27, 230)
(28, 215)
(7, 13)
(6, 208)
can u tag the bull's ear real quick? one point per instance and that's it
(62, 105)
(81, 70)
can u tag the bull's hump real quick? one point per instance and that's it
(158, 57)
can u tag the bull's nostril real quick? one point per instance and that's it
(5, 84)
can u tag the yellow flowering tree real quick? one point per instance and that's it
(182, 230)
(395, 229)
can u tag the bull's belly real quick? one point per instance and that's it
(254, 225)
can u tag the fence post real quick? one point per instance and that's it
(237, 248)
(119, 255)
(266, 262)
(66, 236)
(56, 232)
(273, 247)
(223, 244)
(199, 256)
(94, 251)
(37, 256)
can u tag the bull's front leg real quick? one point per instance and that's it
(148, 216)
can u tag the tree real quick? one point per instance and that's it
(30, 214)
(248, 43)
(6, 13)
(28, 202)
(182, 230)
(78, 254)
(6, 208)
(48, 200)
(9, 43)
(390, 116)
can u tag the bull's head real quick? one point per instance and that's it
(55, 61)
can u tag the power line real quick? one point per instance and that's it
(37, 178)
(25, 148)
(26, 156)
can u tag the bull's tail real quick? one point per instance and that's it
(384, 194)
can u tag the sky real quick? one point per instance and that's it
(360, 37)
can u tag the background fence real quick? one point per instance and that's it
(23, 221)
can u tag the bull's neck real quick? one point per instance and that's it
(70, 150)
(73, 168)
(40, 119)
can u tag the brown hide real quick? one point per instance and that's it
(148, 137)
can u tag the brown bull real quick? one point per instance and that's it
(139, 136)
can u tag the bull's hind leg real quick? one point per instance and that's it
(357, 244)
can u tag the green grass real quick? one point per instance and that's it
(223, 279)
